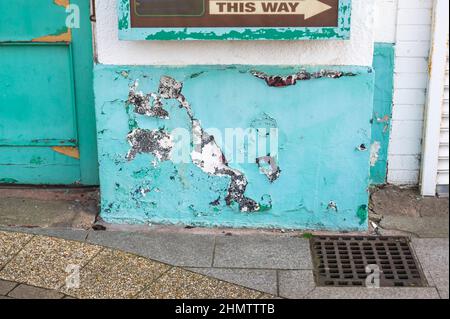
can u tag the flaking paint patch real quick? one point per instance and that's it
(206, 154)
(269, 167)
(73, 152)
(224, 97)
(288, 80)
(65, 36)
(375, 153)
(62, 3)
(156, 142)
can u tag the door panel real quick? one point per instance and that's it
(29, 20)
(37, 104)
(47, 119)
(33, 165)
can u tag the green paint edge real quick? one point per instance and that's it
(383, 64)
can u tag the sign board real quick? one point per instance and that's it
(234, 19)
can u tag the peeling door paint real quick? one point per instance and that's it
(319, 125)
(25, 20)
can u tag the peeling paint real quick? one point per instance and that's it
(156, 142)
(362, 148)
(65, 36)
(332, 206)
(206, 154)
(288, 80)
(341, 31)
(268, 166)
(62, 3)
(210, 189)
(143, 106)
(73, 152)
(375, 153)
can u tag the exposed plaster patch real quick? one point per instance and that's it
(146, 104)
(288, 80)
(332, 206)
(375, 153)
(206, 154)
(362, 148)
(156, 142)
(268, 166)
(68, 151)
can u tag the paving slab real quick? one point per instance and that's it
(365, 293)
(262, 252)
(116, 275)
(31, 212)
(295, 284)
(43, 261)
(184, 250)
(64, 233)
(423, 227)
(6, 287)
(257, 279)
(10, 245)
(182, 284)
(396, 201)
(30, 292)
(433, 254)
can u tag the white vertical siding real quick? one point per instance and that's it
(413, 35)
(443, 166)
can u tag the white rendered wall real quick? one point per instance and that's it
(410, 85)
(385, 27)
(357, 51)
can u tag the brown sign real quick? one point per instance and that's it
(234, 13)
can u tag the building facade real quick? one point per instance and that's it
(278, 124)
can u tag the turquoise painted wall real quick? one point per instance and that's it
(324, 135)
(383, 64)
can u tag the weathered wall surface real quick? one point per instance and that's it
(322, 141)
(357, 51)
(320, 148)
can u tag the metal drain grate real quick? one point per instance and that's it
(343, 261)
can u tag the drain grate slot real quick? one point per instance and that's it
(342, 261)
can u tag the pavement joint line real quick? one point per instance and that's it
(87, 235)
(33, 286)
(153, 281)
(214, 252)
(310, 292)
(16, 284)
(438, 293)
(244, 268)
(18, 252)
(277, 272)
(83, 267)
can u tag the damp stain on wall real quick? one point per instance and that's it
(297, 185)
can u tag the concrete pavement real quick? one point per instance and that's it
(167, 262)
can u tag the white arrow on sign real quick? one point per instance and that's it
(312, 8)
(307, 8)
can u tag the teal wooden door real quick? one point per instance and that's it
(47, 121)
